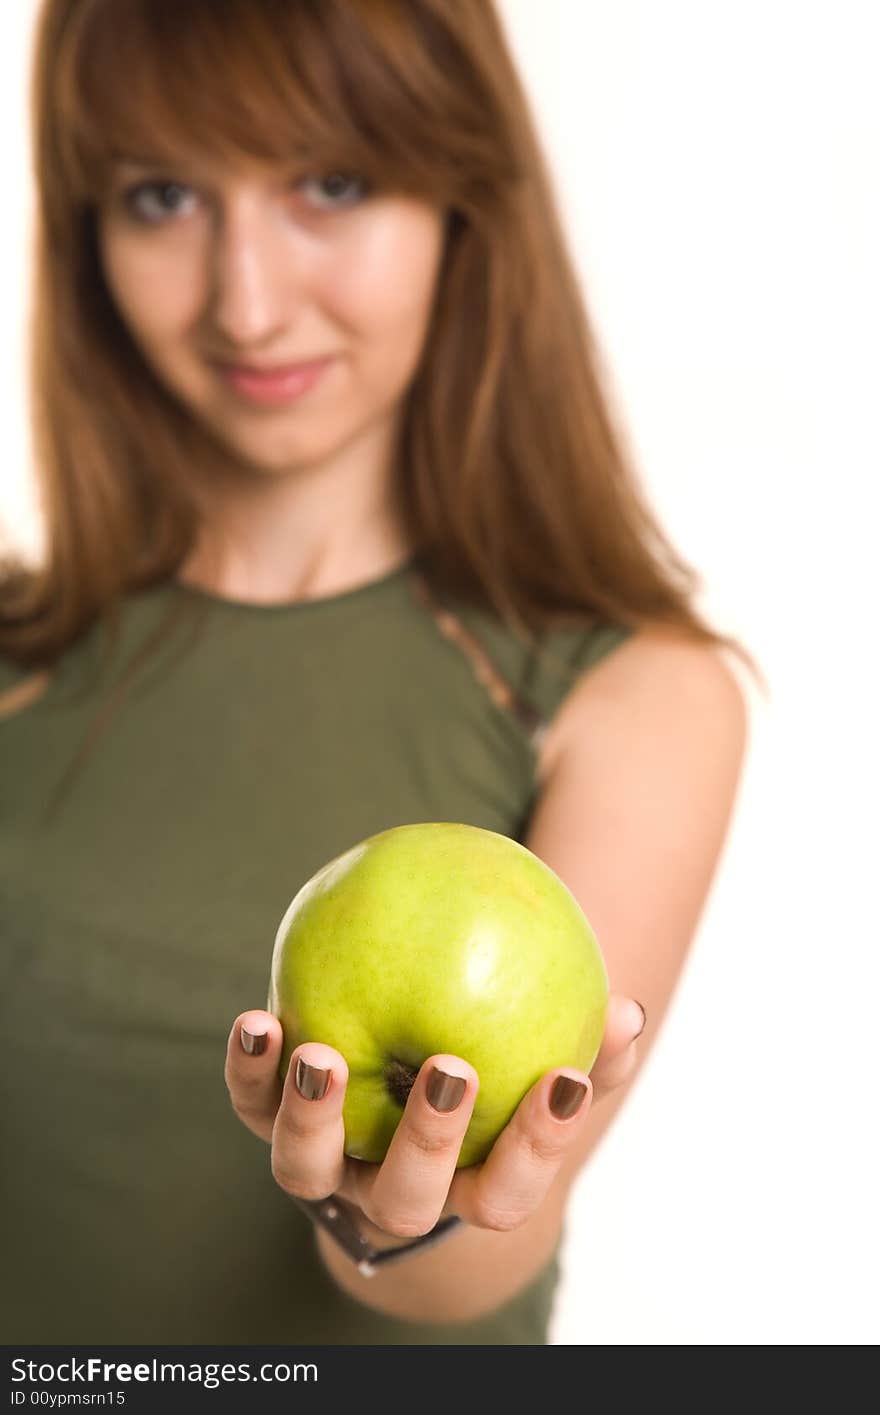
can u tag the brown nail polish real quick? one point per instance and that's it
(566, 1097)
(254, 1043)
(311, 1081)
(444, 1091)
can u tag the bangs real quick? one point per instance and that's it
(356, 84)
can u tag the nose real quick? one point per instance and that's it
(256, 277)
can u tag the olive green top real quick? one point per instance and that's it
(137, 921)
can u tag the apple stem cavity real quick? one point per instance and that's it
(399, 1080)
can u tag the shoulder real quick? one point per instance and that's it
(637, 796)
(659, 689)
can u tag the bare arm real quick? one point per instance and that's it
(636, 797)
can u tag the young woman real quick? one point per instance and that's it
(341, 535)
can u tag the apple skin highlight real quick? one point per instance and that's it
(438, 937)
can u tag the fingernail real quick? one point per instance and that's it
(644, 1018)
(254, 1043)
(311, 1081)
(445, 1091)
(566, 1097)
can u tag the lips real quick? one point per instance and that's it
(281, 383)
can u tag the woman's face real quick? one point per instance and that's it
(266, 267)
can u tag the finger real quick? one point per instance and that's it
(309, 1134)
(514, 1179)
(618, 1054)
(624, 1021)
(408, 1191)
(253, 1054)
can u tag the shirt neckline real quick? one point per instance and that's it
(297, 606)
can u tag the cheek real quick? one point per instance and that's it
(383, 288)
(155, 296)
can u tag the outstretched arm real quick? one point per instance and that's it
(637, 794)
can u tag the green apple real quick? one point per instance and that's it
(438, 937)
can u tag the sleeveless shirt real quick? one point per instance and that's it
(137, 920)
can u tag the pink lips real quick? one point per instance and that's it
(279, 385)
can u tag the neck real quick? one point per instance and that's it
(270, 537)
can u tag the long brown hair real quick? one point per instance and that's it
(512, 469)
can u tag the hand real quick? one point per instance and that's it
(417, 1183)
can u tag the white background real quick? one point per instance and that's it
(717, 167)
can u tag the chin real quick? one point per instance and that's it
(269, 453)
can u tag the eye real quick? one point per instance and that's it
(331, 186)
(133, 200)
(153, 203)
